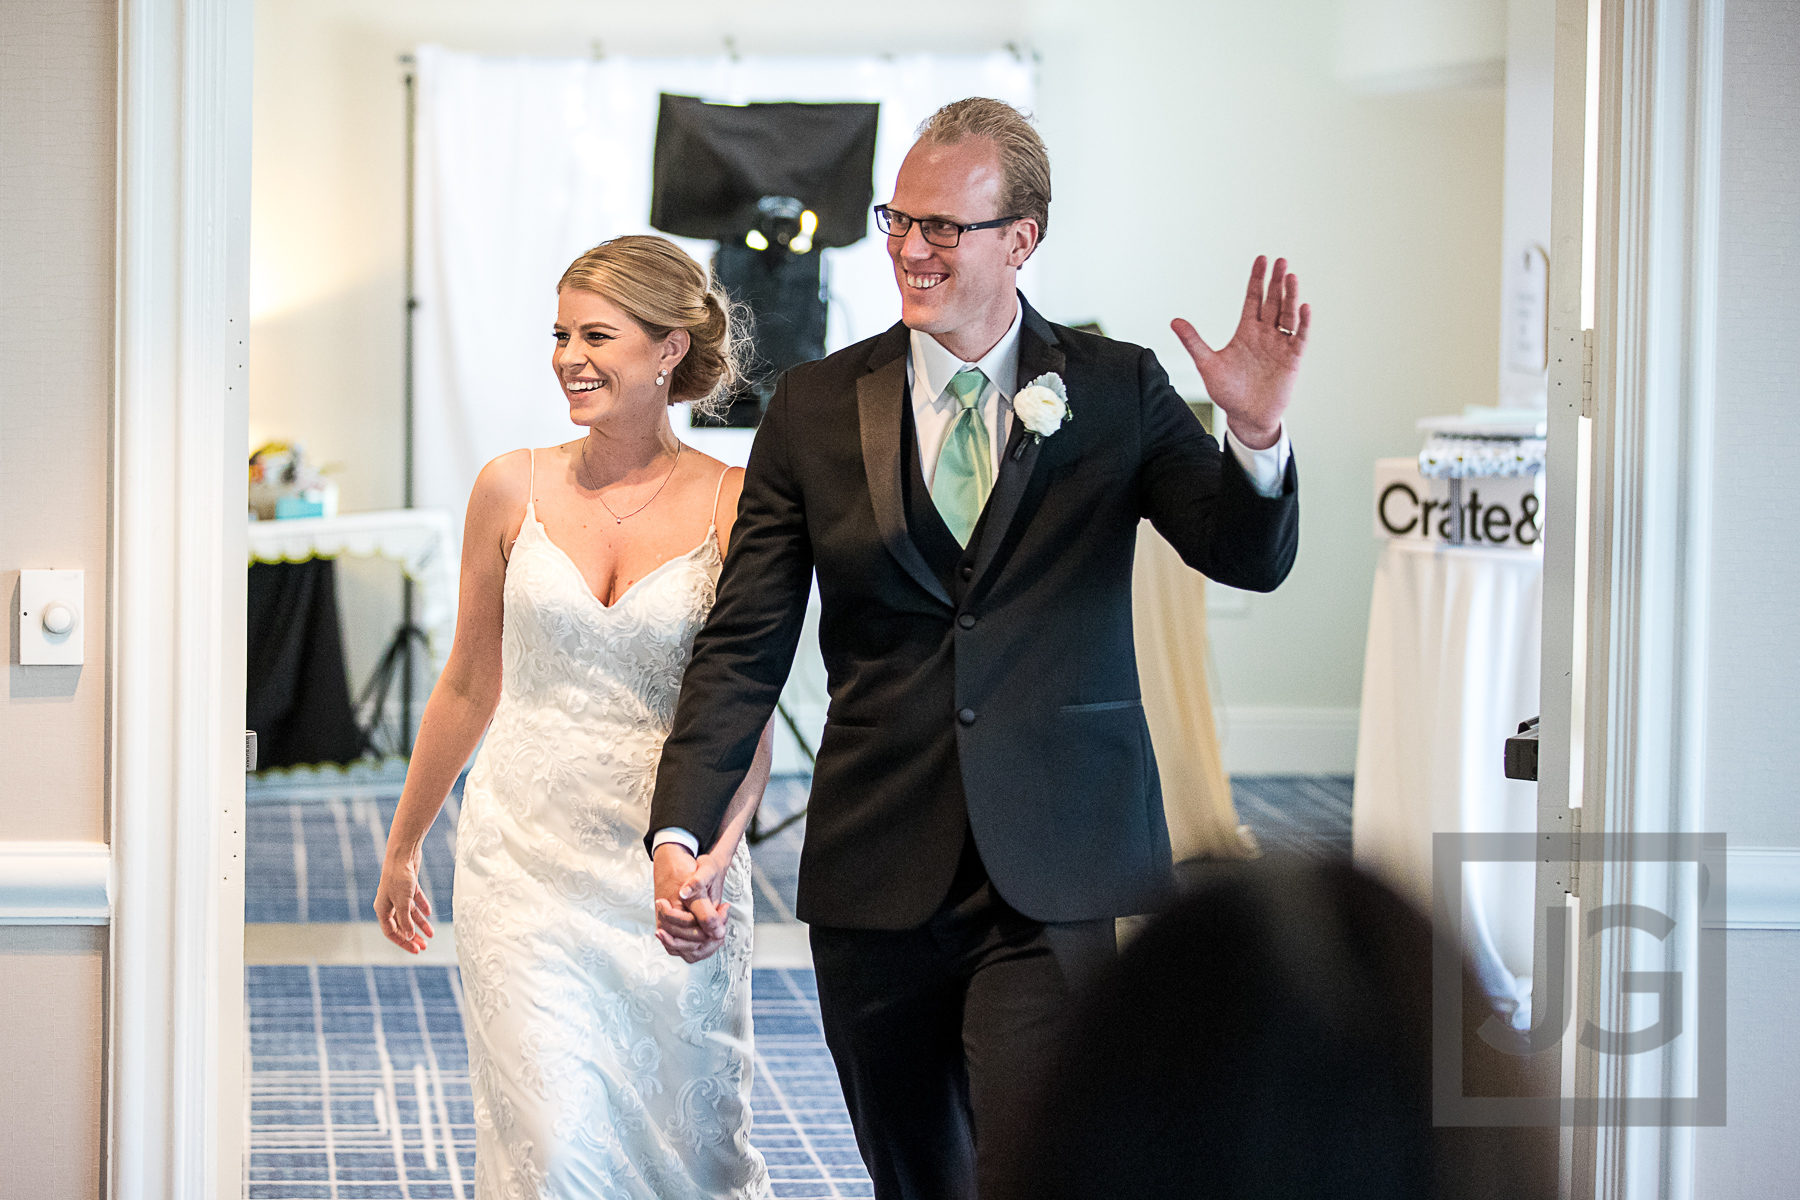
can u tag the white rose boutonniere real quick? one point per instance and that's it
(1043, 405)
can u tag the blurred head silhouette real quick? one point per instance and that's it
(1270, 1036)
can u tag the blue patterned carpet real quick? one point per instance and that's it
(317, 857)
(358, 1083)
(1296, 814)
(359, 1087)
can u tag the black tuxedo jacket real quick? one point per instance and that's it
(992, 689)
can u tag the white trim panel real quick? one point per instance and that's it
(1762, 887)
(176, 613)
(55, 883)
(1288, 741)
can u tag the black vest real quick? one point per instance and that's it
(954, 565)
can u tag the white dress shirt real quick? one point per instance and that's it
(929, 369)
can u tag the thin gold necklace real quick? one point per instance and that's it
(617, 519)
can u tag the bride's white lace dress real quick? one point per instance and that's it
(601, 1066)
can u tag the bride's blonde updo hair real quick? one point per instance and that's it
(662, 289)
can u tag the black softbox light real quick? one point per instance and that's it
(715, 161)
(774, 184)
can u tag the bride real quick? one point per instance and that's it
(603, 1059)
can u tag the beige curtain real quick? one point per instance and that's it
(1169, 610)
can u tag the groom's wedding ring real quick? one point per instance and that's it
(1288, 332)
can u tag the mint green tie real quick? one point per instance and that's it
(965, 465)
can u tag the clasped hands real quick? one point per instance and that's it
(690, 902)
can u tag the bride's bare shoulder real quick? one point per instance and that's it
(701, 464)
(707, 471)
(504, 485)
(721, 485)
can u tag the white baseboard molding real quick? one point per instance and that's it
(341, 943)
(1762, 887)
(783, 946)
(55, 883)
(1257, 740)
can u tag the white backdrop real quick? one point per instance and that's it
(523, 163)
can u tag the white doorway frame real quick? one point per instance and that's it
(175, 1052)
(1654, 376)
(1640, 602)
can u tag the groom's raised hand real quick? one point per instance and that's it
(690, 911)
(1251, 378)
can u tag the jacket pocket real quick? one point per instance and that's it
(836, 722)
(1101, 706)
(1091, 784)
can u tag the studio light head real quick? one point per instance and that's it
(784, 222)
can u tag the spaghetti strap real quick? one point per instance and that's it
(717, 492)
(530, 517)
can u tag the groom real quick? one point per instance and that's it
(985, 801)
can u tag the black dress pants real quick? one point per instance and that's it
(941, 1033)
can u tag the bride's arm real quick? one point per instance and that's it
(748, 798)
(692, 925)
(461, 703)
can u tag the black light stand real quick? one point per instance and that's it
(398, 657)
(395, 667)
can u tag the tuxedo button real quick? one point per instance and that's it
(968, 572)
(966, 716)
(967, 620)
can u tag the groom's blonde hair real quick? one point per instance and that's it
(1024, 162)
(661, 288)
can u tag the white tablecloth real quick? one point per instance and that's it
(1450, 671)
(417, 538)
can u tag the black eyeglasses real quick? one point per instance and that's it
(945, 234)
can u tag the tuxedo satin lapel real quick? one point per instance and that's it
(1038, 354)
(879, 395)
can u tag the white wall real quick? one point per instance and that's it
(1753, 734)
(1753, 689)
(1186, 138)
(1409, 45)
(1525, 222)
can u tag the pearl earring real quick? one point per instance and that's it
(660, 375)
